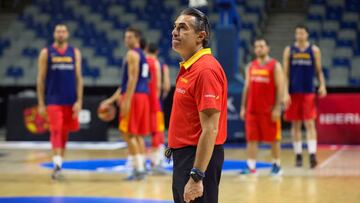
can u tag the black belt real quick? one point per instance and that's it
(169, 151)
(168, 154)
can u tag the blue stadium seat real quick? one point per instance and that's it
(314, 36)
(344, 43)
(89, 41)
(341, 62)
(30, 52)
(95, 73)
(84, 63)
(4, 43)
(329, 34)
(248, 26)
(314, 17)
(109, 17)
(352, 5)
(334, 13)
(319, 2)
(326, 73)
(103, 50)
(114, 62)
(14, 72)
(354, 82)
(348, 25)
(92, 72)
(357, 51)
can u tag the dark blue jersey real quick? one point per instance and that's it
(143, 77)
(60, 87)
(302, 70)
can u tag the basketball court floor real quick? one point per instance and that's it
(95, 175)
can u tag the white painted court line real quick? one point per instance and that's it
(331, 158)
(70, 145)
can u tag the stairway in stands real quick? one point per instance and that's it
(280, 26)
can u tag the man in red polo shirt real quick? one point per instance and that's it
(199, 113)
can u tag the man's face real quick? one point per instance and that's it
(184, 37)
(301, 34)
(130, 39)
(61, 34)
(261, 48)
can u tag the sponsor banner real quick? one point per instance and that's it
(25, 124)
(338, 120)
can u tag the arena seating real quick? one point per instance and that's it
(335, 26)
(97, 28)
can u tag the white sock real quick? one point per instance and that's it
(276, 161)
(155, 157)
(251, 163)
(140, 162)
(161, 153)
(312, 146)
(57, 160)
(297, 147)
(159, 156)
(130, 161)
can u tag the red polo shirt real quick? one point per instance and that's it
(201, 84)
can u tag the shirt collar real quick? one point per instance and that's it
(187, 64)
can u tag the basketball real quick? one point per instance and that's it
(34, 122)
(106, 113)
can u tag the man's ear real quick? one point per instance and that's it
(201, 36)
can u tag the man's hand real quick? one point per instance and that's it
(106, 102)
(42, 110)
(287, 100)
(193, 190)
(276, 113)
(322, 91)
(76, 109)
(242, 113)
(125, 107)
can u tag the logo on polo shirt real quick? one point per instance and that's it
(211, 96)
(180, 90)
(184, 80)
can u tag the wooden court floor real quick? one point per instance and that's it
(336, 180)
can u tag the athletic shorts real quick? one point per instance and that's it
(137, 121)
(61, 118)
(157, 121)
(261, 128)
(61, 122)
(302, 107)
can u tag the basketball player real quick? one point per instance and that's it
(133, 96)
(60, 92)
(302, 61)
(261, 106)
(166, 83)
(156, 114)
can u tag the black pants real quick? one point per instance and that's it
(183, 163)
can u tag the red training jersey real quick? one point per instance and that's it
(262, 89)
(153, 91)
